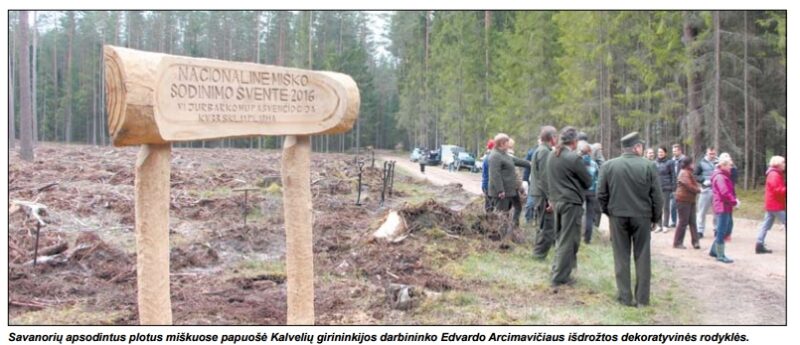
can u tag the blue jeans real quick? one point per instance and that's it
(673, 206)
(769, 218)
(724, 224)
(530, 208)
(703, 204)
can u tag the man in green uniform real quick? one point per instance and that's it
(568, 181)
(545, 236)
(504, 185)
(629, 192)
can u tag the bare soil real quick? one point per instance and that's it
(222, 272)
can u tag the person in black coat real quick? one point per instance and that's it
(666, 174)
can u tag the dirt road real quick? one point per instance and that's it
(751, 291)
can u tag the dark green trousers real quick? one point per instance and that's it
(631, 235)
(545, 235)
(568, 238)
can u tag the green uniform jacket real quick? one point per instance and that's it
(503, 174)
(629, 187)
(568, 177)
(539, 171)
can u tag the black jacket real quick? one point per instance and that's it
(666, 173)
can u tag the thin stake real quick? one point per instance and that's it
(36, 245)
(360, 170)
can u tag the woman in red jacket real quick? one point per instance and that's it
(774, 200)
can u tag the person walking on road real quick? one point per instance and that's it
(774, 201)
(724, 196)
(702, 173)
(568, 181)
(686, 203)
(504, 185)
(666, 172)
(630, 194)
(545, 237)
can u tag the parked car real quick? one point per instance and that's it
(465, 160)
(431, 157)
(416, 154)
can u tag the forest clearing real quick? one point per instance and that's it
(269, 167)
(223, 272)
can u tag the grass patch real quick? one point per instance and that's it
(76, 314)
(752, 203)
(254, 268)
(513, 288)
(416, 192)
(221, 192)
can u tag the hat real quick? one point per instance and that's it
(490, 144)
(583, 136)
(631, 139)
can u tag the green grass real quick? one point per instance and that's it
(752, 203)
(220, 192)
(256, 267)
(77, 314)
(512, 288)
(416, 192)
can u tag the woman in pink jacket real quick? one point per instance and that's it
(724, 202)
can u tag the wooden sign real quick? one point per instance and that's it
(157, 98)
(154, 99)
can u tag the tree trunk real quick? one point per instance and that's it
(281, 39)
(747, 160)
(694, 85)
(11, 106)
(487, 18)
(56, 100)
(716, 79)
(257, 20)
(26, 123)
(68, 79)
(33, 80)
(426, 85)
(310, 40)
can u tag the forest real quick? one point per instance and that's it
(699, 78)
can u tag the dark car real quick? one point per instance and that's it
(432, 157)
(464, 160)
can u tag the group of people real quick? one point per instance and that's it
(567, 183)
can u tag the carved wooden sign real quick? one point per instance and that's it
(154, 99)
(160, 98)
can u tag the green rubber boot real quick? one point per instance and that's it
(721, 254)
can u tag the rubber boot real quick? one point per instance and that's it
(713, 251)
(761, 249)
(721, 254)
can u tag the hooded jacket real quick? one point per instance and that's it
(775, 191)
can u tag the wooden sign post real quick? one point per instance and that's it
(156, 99)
